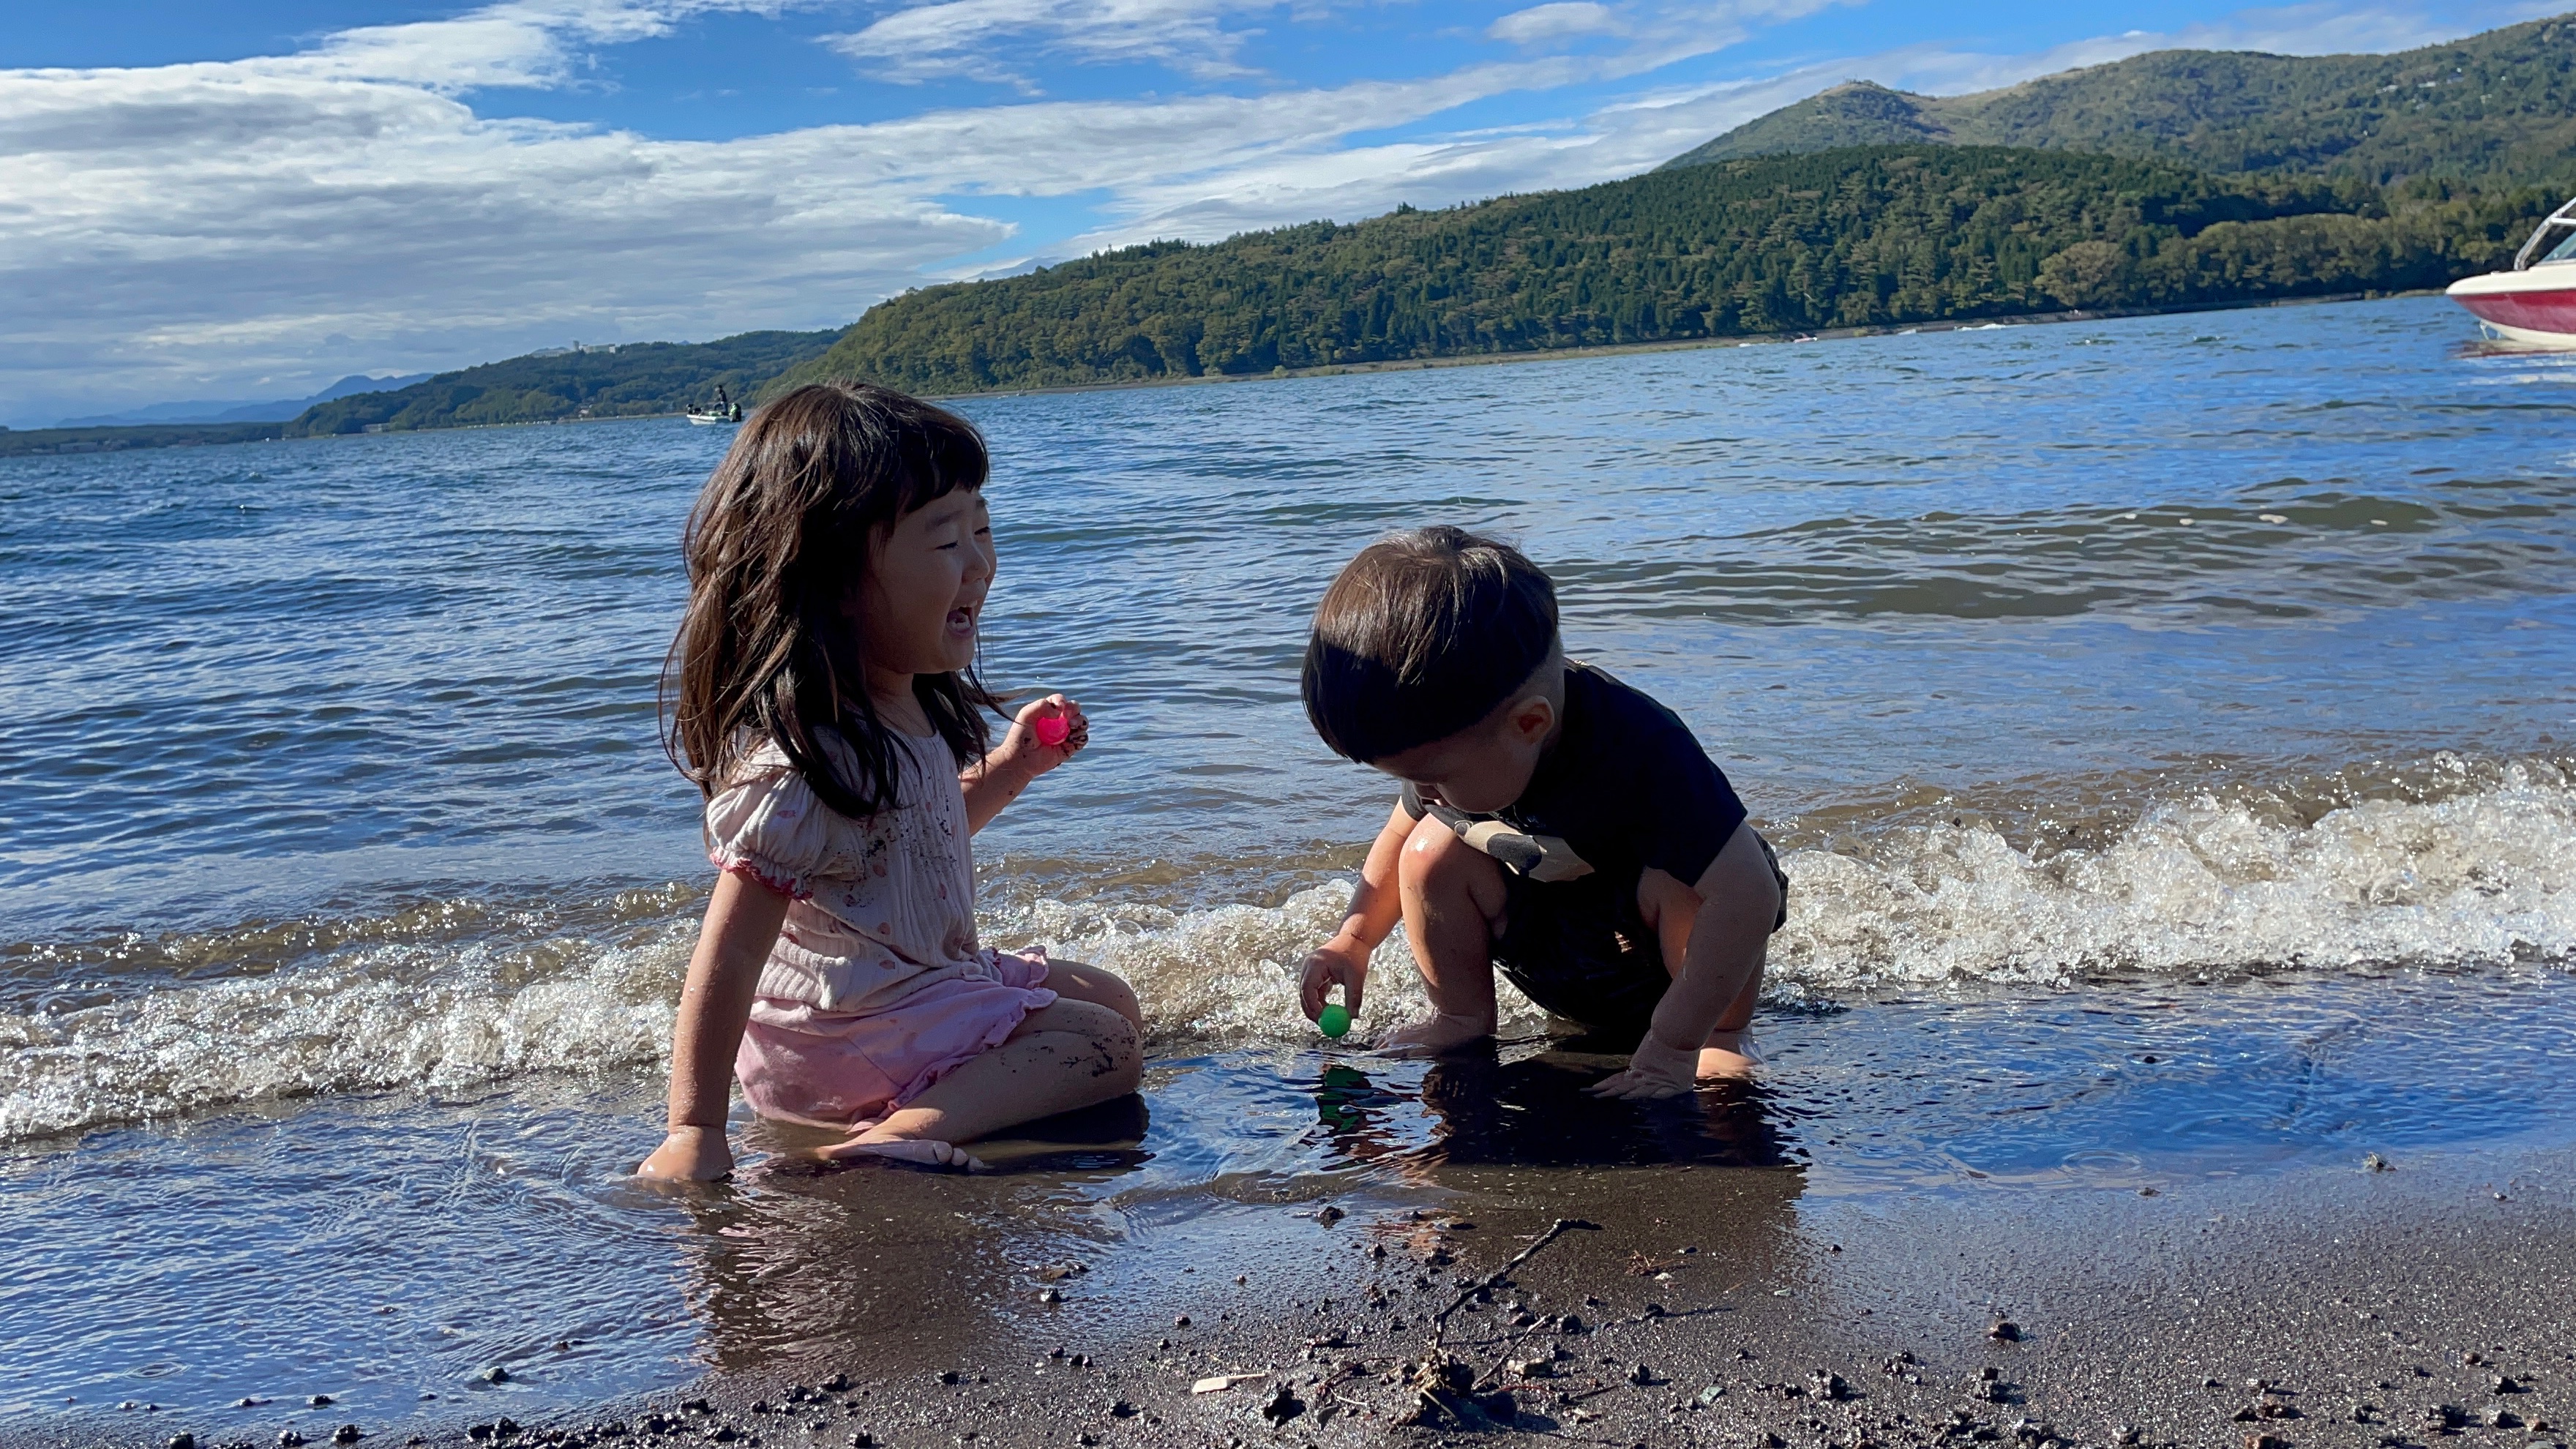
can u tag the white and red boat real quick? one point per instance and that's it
(2535, 303)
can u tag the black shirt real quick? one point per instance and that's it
(1626, 785)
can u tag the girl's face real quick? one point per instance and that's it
(926, 581)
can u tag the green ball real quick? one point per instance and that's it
(1335, 1019)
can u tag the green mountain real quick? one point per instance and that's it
(2497, 107)
(636, 379)
(1858, 236)
(18, 442)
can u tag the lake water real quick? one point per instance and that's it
(2186, 694)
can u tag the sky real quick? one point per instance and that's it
(247, 199)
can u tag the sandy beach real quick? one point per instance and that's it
(2424, 1303)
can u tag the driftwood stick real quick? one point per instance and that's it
(1562, 1226)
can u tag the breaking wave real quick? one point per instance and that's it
(2479, 873)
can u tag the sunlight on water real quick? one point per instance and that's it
(2079, 672)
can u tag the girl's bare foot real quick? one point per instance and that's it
(908, 1151)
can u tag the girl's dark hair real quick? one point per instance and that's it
(776, 547)
(1422, 635)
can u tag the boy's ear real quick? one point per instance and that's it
(1532, 718)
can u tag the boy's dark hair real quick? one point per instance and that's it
(777, 547)
(1422, 635)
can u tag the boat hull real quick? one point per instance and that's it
(2536, 307)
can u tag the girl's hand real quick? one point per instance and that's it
(689, 1154)
(1034, 725)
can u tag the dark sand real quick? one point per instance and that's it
(2312, 1304)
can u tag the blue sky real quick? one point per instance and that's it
(233, 200)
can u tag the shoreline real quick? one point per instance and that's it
(1692, 344)
(1559, 354)
(2327, 1305)
(1822, 1258)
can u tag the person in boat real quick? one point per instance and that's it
(1555, 824)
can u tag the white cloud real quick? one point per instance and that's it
(964, 37)
(190, 230)
(1559, 21)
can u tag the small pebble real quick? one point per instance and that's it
(183, 1441)
(2004, 1330)
(347, 1434)
(1180, 1320)
(496, 1375)
(320, 1401)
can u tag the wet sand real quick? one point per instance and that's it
(2422, 1304)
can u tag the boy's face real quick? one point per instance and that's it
(1483, 767)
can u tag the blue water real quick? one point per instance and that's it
(2192, 688)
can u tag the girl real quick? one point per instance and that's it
(828, 708)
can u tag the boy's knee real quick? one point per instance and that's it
(1434, 856)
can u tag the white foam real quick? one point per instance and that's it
(383, 1017)
(2206, 886)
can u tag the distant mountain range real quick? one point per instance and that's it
(635, 379)
(2495, 107)
(2178, 178)
(244, 412)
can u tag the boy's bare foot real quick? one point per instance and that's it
(910, 1151)
(1728, 1054)
(1446, 1032)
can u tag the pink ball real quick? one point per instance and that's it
(1052, 730)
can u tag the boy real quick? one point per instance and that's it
(1555, 824)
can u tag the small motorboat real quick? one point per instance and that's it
(2535, 303)
(726, 410)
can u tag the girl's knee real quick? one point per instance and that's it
(1122, 1049)
(1074, 981)
(1113, 1045)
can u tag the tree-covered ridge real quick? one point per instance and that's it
(2496, 107)
(635, 379)
(1865, 236)
(117, 437)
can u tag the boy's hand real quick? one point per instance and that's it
(689, 1154)
(1340, 962)
(1655, 1070)
(1055, 717)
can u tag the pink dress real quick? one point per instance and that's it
(878, 986)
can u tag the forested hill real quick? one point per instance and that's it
(1872, 235)
(2493, 108)
(599, 382)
